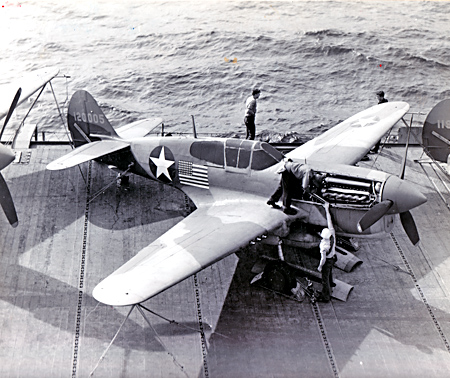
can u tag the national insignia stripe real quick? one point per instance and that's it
(193, 174)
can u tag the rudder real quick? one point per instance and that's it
(436, 131)
(86, 119)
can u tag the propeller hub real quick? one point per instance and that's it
(403, 195)
(7, 156)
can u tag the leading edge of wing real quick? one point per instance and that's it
(204, 237)
(87, 152)
(349, 141)
(30, 84)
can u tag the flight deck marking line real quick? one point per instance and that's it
(202, 332)
(421, 293)
(199, 310)
(326, 343)
(81, 277)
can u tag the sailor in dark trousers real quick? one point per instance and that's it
(327, 257)
(291, 174)
(250, 113)
(381, 100)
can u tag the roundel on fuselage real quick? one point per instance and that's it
(162, 164)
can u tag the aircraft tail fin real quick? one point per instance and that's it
(87, 122)
(436, 131)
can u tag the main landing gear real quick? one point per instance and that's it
(283, 278)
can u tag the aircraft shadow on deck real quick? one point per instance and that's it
(141, 202)
(268, 334)
(50, 201)
(43, 296)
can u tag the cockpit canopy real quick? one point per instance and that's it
(236, 153)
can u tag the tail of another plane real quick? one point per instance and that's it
(436, 131)
(86, 121)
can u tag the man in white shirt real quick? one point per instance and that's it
(327, 257)
(250, 113)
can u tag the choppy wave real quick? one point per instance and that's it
(317, 63)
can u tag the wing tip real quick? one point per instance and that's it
(112, 295)
(55, 166)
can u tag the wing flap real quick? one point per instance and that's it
(87, 152)
(204, 237)
(349, 141)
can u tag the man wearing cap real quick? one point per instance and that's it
(381, 100)
(250, 113)
(380, 96)
(327, 257)
(291, 174)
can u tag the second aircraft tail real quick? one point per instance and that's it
(87, 122)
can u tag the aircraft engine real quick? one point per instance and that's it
(354, 191)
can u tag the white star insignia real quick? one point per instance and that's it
(162, 164)
(364, 122)
(368, 121)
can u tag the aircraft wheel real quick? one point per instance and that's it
(124, 181)
(278, 278)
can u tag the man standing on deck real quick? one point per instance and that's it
(380, 96)
(327, 257)
(381, 100)
(250, 113)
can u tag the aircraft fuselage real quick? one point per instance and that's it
(243, 167)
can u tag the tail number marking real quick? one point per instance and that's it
(90, 117)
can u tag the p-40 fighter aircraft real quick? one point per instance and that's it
(230, 181)
(18, 92)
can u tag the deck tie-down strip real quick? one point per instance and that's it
(81, 277)
(201, 328)
(326, 343)
(421, 293)
(199, 309)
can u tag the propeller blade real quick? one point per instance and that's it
(11, 110)
(374, 214)
(410, 227)
(7, 203)
(7, 156)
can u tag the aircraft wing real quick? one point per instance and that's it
(207, 235)
(30, 84)
(87, 152)
(349, 141)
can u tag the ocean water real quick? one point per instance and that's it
(316, 62)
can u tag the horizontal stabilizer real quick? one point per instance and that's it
(139, 128)
(87, 152)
